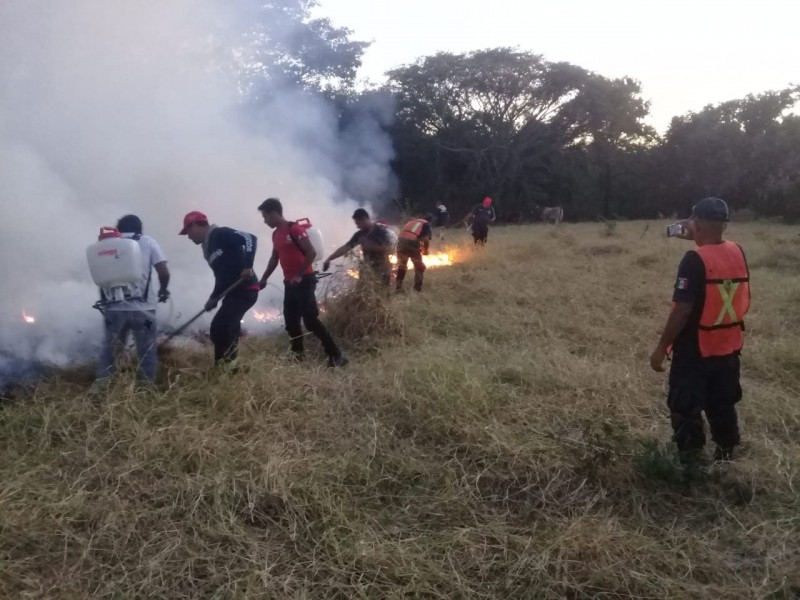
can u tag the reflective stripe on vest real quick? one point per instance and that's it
(413, 229)
(727, 299)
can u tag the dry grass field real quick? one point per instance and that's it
(499, 436)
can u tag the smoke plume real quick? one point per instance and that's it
(108, 108)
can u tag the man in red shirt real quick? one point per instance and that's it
(293, 250)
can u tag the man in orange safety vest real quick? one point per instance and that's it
(412, 243)
(705, 335)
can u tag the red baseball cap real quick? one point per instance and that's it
(193, 217)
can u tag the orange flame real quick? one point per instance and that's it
(440, 259)
(263, 316)
(432, 261)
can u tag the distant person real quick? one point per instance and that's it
(137, 313)
(292, 249)
(376, 245)
(481, 216)
(705, 332)
(230, 254)
(440, 219)
(412, 244)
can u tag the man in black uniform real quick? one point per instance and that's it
(376, 245)
(230, 254)
(482, 215)
(704, 332)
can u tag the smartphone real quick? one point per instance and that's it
(675, 230)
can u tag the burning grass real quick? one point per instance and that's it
(432, 260)
(510, 443)
(363, 313)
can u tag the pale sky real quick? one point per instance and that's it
(686, 53)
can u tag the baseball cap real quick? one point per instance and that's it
(360, 213)
(193, 217)
(711, 209)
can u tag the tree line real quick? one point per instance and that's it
(532, 133)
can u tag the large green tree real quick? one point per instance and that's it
(501, 122)
(283, 45)
(747, 151)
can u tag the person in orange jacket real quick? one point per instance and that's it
(412, 244)
(704, 333)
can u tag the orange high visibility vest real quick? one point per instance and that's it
(727, 299)
(413, 229)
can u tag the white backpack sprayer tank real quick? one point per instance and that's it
(115, 264)
(315, 237)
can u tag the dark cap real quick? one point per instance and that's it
(361, 214)
(711, 209)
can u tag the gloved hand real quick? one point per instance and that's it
(163, 295)
(326, 265)
(211, 304)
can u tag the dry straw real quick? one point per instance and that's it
(499, 436)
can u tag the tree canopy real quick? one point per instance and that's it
(529, 132)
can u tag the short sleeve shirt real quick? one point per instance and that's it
(690, 288)
(289, 254)
(151, 256)
(377, 235)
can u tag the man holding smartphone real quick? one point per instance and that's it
(704, 333)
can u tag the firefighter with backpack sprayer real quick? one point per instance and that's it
(293, 250)
(135, 312)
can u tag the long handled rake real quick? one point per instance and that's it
(176, 332)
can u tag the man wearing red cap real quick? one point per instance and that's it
(482, 215)
(230, 254)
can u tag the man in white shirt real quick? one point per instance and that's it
(440, 219)
(137, 313)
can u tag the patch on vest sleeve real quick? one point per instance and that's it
(682, 283)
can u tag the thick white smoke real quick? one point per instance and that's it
(108, 108)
